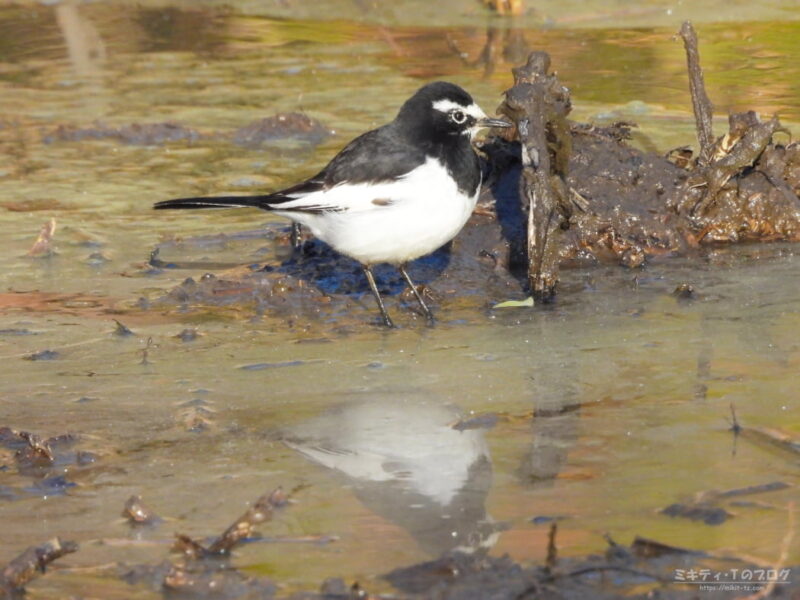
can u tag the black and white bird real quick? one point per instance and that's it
(393, 194)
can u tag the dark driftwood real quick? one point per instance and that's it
(30, 563)
(539, 106)
(242, 528)
(703, 109)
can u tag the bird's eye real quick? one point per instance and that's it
(458, 116)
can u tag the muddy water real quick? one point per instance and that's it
(631, 386)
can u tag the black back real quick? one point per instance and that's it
(383, 154)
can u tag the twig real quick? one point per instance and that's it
(621, 569)
(772, 438)
(239, 530)
(736, 429)
(243, 526)
(754, 489)
(303, 539)
(703, 109)
(37, 450)
(34, 560)
(43, 246)
(146, 351)
(552, 550)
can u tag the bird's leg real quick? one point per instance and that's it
(371, 280)
(295, 236)
(426, 311)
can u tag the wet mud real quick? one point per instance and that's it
(319, 284)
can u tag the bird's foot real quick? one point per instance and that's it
(421, 293)
(296, 237)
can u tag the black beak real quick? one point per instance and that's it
(489, 122)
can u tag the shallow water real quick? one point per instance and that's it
(197, 427)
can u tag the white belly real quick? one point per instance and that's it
(390, 222)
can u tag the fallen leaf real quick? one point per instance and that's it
(515, 303)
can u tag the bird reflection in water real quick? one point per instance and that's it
(404, 461)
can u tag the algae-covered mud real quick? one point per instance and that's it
(190, 374)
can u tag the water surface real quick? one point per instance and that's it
(631, 387)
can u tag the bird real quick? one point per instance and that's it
(393, 194)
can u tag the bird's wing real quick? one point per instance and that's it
(370, 161)
(378, 156)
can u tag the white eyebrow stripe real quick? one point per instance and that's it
(472, 110)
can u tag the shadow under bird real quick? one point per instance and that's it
(393, 194)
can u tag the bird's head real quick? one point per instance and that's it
(440, 110)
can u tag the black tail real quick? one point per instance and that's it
(220, 202)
